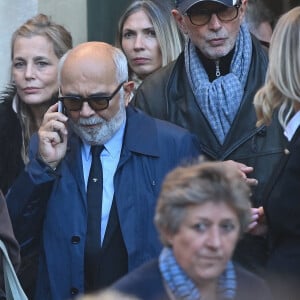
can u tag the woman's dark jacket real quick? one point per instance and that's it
(147, 283)
(11, 162)
(282, 208)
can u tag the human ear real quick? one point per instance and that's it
(168, 237)
(128, 88)
(179, 20)
(243, 9)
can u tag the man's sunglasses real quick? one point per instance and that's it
(75, 103)
(200, 16)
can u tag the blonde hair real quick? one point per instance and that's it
(39, 25)
(159, 12)
(282, 86)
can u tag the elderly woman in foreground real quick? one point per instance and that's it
(201, 213)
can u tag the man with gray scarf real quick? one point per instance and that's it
(209, 90)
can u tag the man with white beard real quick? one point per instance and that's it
(50, 203)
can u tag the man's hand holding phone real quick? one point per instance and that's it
(53, 136)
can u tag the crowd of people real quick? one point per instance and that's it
(161, 167)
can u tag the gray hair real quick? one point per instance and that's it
(120, 61)
(197, 184)
(256, 13)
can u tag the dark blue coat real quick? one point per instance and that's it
(58, 199)
(147, 283)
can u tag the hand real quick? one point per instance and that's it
(258, 224)
(53, 137)
(243, 171)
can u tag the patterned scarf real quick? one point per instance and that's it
(182, 286)
(219, 100)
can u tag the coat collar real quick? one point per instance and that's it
(140, 137)
(179, 89)
(140, 133)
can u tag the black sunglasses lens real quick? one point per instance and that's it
(98, 103)
(72, 104)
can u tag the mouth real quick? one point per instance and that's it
(217, 42)
(140, 60)
(210, 258)
(31, 90)
(90, 126)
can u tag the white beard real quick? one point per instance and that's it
(104, 130)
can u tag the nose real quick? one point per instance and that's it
(214, 22)
(214, 238)
(139, 42)
(29, 71)
(86, 111)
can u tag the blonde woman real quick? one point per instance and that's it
(36, 48)
(281, 200)
(148, 35)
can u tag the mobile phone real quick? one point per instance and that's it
(61, 107)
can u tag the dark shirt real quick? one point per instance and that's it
(210, 65)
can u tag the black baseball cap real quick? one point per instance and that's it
(184, 5)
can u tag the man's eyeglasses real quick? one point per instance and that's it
(75, 103)
(200, 16)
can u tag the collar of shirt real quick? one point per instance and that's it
(292, 126)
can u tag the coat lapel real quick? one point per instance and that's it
(74, 162)
(138, 127)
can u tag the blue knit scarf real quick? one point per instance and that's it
(182, 286)
(220, 100)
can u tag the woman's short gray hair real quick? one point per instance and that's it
(198, 184)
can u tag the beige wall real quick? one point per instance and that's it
(12, 14)
(70, 13)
